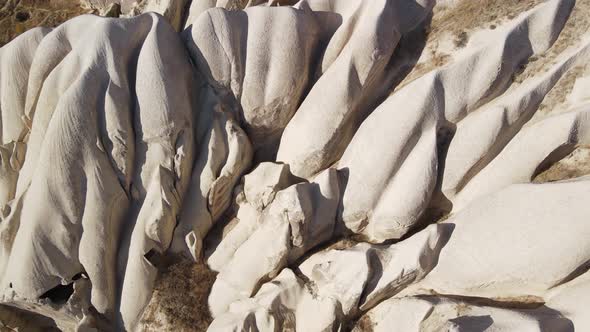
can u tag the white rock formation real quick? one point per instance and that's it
(433, 313)
(197, 7)
(299, 218)
(533, 224)
(259, 62)
(172, 10)
(109, 146)
(571, 299)
(332, 285)
(258, 191)
(355, 55)
(224, 154)
(285, 145)
(504, 267)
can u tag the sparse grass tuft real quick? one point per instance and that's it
(574, 165)
(436, 60)
(179, 300)
(364, 324)
(577, 24)
(18, 16)
(471, 14)
(558, 94)
(458, 21)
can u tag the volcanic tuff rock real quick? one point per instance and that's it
(336, 164)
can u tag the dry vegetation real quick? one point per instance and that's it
(458, 21)
(364, 324)
(471, 14)
(558, 94)
(436, 60)
(18, 16)
(179, 300)
(236, 4)
(574, 165)
(577, 24)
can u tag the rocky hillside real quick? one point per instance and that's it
(351, 165)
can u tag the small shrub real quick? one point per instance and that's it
(179, 300)
(461, 39)
(364, 324)
(22, 16)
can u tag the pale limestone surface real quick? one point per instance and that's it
(528, 291)
(571, 299)
(172, 10)
(432, 313)
(550, 221)
(355, 56)
(224, 153)
(109, 148)
(333, 284)
(299, 218)
(402, 132)
(263, 88)
(263, 142)
(197, 7)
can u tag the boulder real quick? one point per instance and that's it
(259, 62)
(299, 218)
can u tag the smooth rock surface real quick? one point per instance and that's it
(259, 61)
(315, 165)
(103, 177)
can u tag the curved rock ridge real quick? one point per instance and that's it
(356, 56)
(197, 7)
(431, 313)
(108, 131)
(299, 218)
(15, 59)
(334, 286)
(329, 287)
(259, 61)
(277, 305)
(285, 145)
(404, 131)
(532, 238)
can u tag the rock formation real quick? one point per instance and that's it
(306, 166)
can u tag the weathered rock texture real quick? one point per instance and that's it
(310, 166)
(107, 149)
